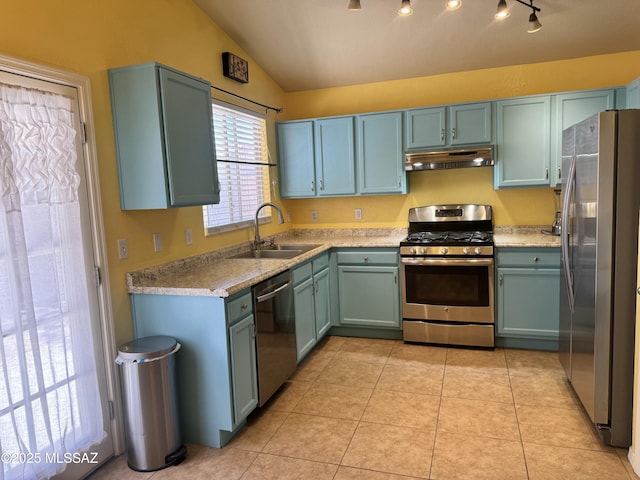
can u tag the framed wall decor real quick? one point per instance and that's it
(235, 67)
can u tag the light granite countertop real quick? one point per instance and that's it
(217, 274)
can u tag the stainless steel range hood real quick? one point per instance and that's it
(449, 158)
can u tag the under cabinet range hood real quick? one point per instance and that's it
(449, 158)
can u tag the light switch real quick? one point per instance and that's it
(188, 236)
(123, 249)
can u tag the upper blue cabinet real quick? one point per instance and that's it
(380, 156)
(633, 94)
(317, 157)
(461, 124)
(523, 142)
(164, 138)
(571, 108)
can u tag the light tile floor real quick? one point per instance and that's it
(384, 410)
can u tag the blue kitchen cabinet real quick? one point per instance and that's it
(335, 156)
(469, 123)
(368, 288)
(317, 157)
(380, 157)
(633, 94)
(163, 125)
(296, 159)
(571, 108)
(523, 142)
(216, 370)
(311, 303)
(528, 297)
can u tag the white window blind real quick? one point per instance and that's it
(243, 172)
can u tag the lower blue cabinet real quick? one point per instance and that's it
(312, 303)
(216, 371)
(527, 298)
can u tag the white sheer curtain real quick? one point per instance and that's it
(49, 398)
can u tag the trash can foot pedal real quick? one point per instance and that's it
(176, 457)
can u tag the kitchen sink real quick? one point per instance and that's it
(277, 251)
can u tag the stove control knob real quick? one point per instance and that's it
(422, 251)
(412, 251)
(444, 250)
(478, 250)
(465, 250)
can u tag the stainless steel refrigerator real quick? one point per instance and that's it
(601, 201)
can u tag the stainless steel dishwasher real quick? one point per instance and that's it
(275, 333)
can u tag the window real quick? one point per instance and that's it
(243, 172)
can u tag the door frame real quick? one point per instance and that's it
(107, 331)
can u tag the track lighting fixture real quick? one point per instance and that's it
(405, 9)
(501, 13)
(534, 23)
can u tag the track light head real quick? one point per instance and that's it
(354, 5)
(453, 4)
(534, 23)
(503, 10)
(405, 9)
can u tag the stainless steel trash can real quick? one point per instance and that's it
(151, 413)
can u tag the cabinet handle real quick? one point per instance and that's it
(546, 173)
(313, 186)
(366, 259)
(244, 306)
(501, 279)
(535, 259)
(453, 133)
(442, 135)
(321, 184)
(399, 180)
(395, 278)
(559, 173)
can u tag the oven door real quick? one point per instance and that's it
(448, 289)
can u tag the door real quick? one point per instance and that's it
(296, 152)
(244, 375)
(54, 413)
(335, 156)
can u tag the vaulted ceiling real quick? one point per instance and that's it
(312, 44)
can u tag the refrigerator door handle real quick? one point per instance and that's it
(571, 180)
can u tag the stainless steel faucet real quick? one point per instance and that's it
(257, 241)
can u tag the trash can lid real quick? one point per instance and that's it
(146, 348)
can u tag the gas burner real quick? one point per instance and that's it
(449, 237)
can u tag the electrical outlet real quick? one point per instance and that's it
(123, 249)
(314, 215)
(358, 214)
(188, 236)
(157, 242)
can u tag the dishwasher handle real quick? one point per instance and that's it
(267, 296)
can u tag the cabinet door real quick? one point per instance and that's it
(572, 108)
(305, 317)
(369, 296)
(425, 127)
(335, 156)
(163, 129)
(380, 159)
(523, 142)
(190, 149)
(633, 94)
(528, 302)
(296, 159)
(244, 375)
(322, 303)
(470, 123)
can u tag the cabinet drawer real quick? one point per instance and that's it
(239, 307)
(320, 262)
(524, 257)
(369, 257)
(301, 273)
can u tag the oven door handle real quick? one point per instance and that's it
(447, 261)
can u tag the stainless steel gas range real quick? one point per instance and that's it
(447, 276)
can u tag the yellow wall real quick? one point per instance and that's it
(88, 38)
